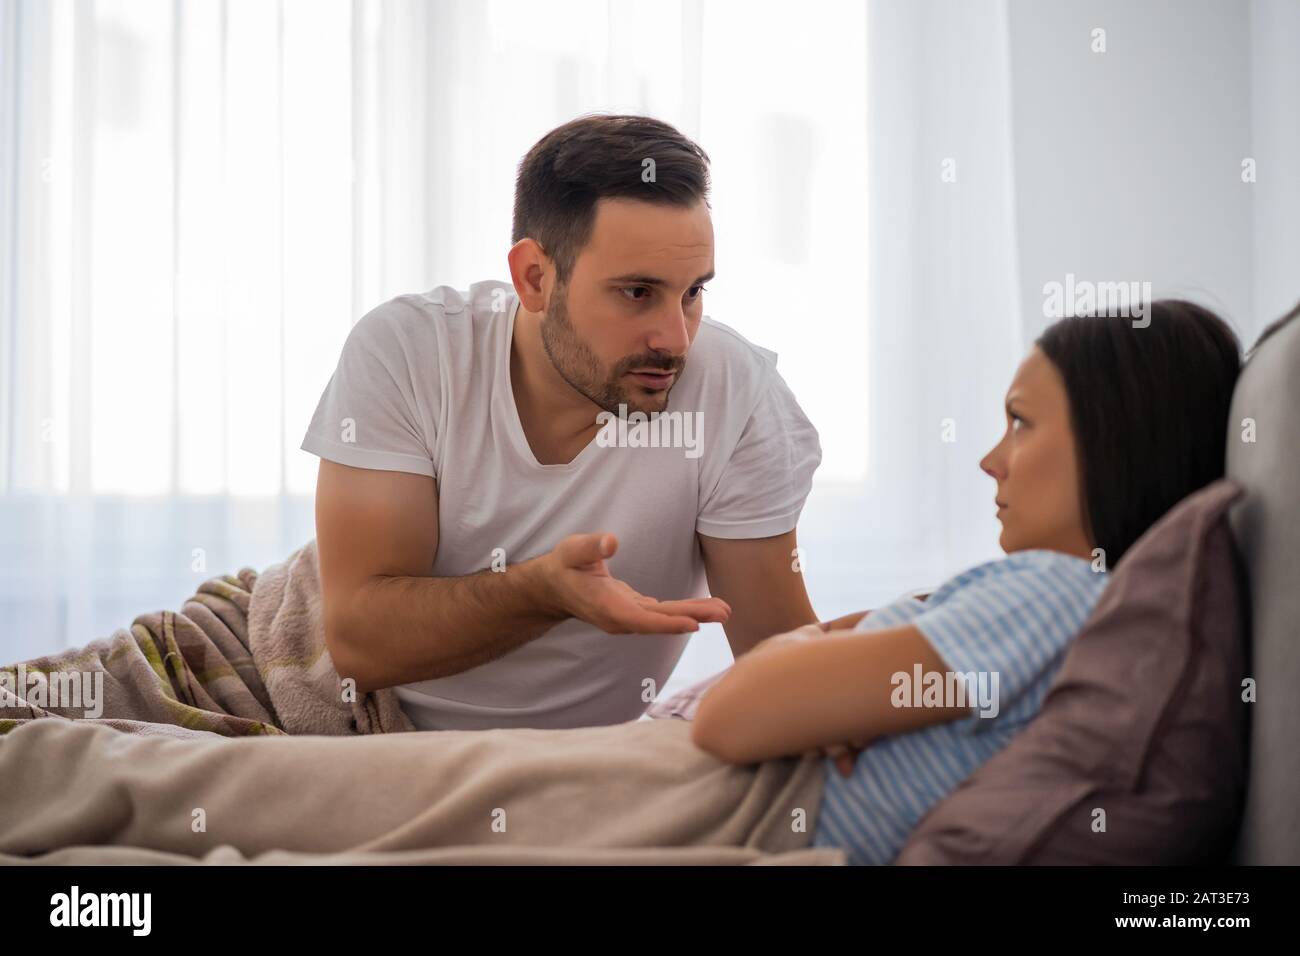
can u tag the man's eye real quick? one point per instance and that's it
(635, 288)
(697, 291)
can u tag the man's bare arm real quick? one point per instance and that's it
(759, 579)
(388, 621)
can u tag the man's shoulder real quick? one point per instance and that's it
(488, 297)
(728, 345)
(728, 363)
(436, 314)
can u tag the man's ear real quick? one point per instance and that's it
(531, 271)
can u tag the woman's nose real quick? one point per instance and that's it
(987, 465)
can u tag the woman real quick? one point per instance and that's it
(1108, 426)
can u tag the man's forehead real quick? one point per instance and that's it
(631, 237)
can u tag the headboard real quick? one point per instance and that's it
(1266, 524)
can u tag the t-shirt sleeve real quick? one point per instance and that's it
(766, 479)
(370, 414)
(1009, 626)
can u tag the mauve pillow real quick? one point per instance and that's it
(1143, 730)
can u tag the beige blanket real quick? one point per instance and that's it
(227, 736)
(633, 793)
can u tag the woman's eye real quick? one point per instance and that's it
(1016, 423)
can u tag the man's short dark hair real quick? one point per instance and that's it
(596, 157)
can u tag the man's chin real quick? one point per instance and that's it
(647, 402)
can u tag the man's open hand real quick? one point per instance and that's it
(581, 586)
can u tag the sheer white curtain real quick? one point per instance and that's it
(1275, 129)
(202, 196)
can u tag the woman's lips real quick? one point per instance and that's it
(656, 382)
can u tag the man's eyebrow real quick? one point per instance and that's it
(635, 279)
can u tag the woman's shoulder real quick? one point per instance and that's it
(1056, 562)
(1036, 565)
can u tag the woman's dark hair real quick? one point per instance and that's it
(1149, 408)
(595, 157)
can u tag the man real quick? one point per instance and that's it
(511, 478)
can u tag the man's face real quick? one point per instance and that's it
(618, 331)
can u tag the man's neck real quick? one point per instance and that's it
(557, 418)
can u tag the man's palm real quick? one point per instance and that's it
(589, 592)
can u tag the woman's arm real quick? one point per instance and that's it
(793, 696)
(846, 623)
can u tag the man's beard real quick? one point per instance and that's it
(578, 365)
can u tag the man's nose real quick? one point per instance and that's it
(670, 333)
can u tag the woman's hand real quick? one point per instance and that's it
(844, 755)
(797, 636)
(846, 623)
(810, 631)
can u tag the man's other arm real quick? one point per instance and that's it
(759, 580)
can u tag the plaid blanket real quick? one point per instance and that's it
(245, 656)
(683, 704)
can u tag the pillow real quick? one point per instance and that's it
(1138, 755)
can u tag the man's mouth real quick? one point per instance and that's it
(656, 380)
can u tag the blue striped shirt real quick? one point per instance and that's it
(1007, 623)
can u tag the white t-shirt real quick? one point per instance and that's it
(423, 386)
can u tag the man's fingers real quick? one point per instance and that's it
(578, 550)
(713, 610)
(650, 622)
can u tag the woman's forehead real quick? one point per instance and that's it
(1036, 380)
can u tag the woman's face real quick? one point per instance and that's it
(1036, 466)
